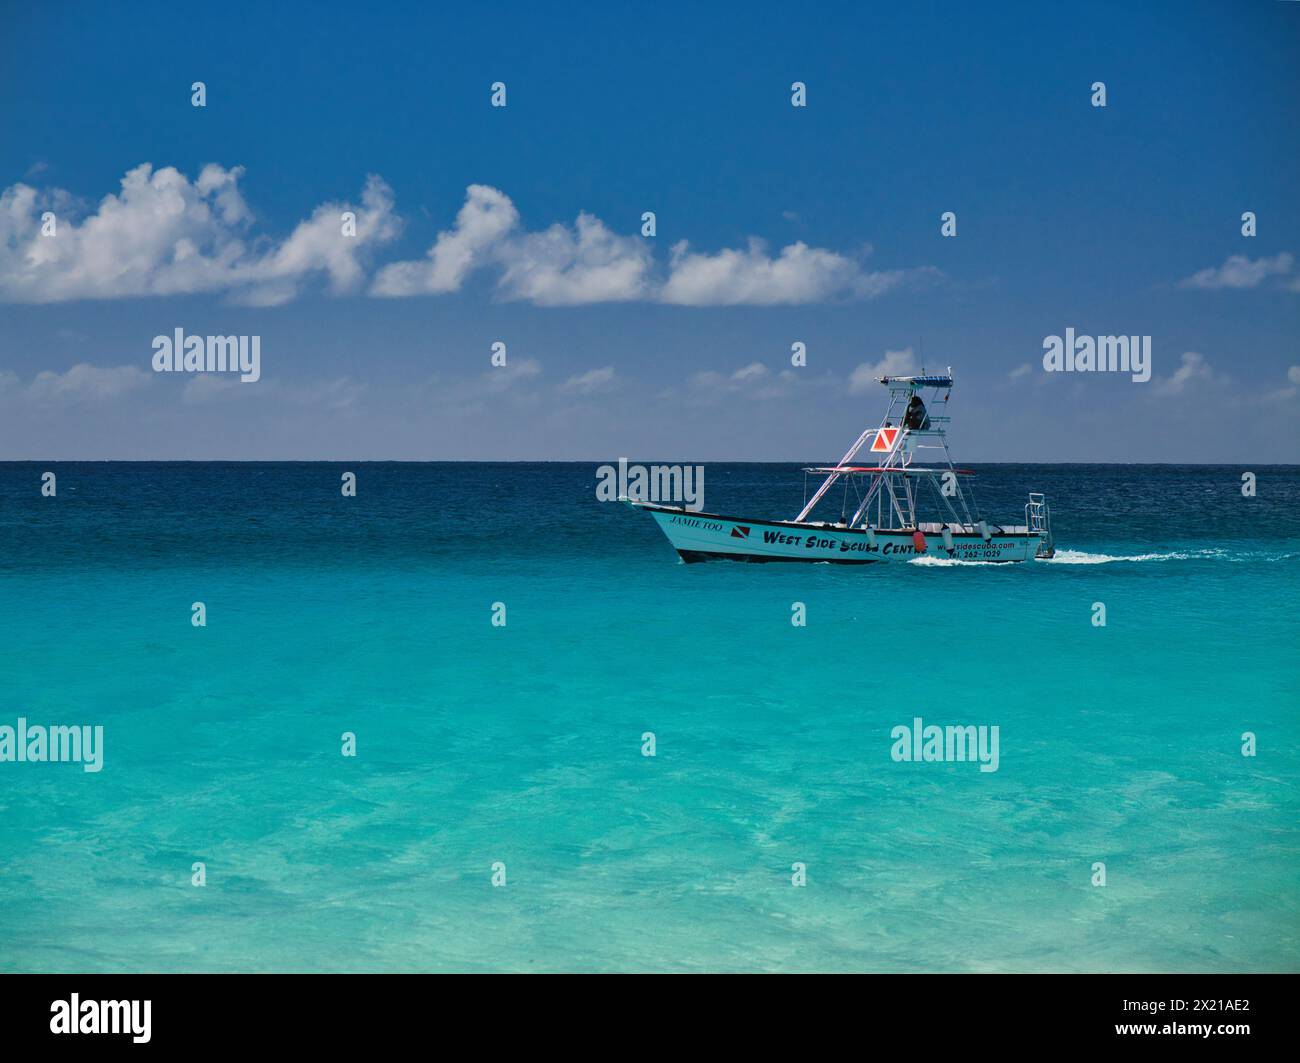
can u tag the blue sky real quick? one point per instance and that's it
(818, 224)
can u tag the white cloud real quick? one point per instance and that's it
(317, 245)
(748, 373)
(486, 217)
(163, 235)
(895, 363)
(208, 387)
(504, 377)
(560, 266)
(1020, 372)
(1193, 367)
(502, 383)
(756, 381)
(332, 395)
(590, 382)
(86, 383)
(1293, 384)
(1240, 272)
(571, 267)
(589, 263)
(753, 381)
(798, 274)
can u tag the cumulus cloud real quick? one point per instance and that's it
(589, 263)
(165, 235)
(486, 217)
(1240, 272)
(1293, 384)
(505, 377)
(590, 382)
(753, 381)
(503, 383)
(204, 388)
(560, 266)
(1192, 368)
(797, 274)
(756, 381)
(332, 395)
(571, 267)
(895, 363)
(317, 245)
(86, 383)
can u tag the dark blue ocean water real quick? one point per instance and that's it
(522, 744)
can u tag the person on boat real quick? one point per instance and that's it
(916, 418)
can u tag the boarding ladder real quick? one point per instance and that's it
(1039, 519)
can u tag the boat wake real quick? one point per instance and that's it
(1082, 557)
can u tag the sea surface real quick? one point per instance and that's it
(522, 745)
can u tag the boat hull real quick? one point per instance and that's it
(713, 537)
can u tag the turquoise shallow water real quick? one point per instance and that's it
(522, 744)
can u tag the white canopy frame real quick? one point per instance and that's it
(895, 476)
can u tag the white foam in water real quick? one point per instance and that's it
(1082, 557)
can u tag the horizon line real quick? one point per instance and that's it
(584, 461)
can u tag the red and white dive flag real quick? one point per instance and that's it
(884, 441)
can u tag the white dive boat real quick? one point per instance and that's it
(884, 499)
